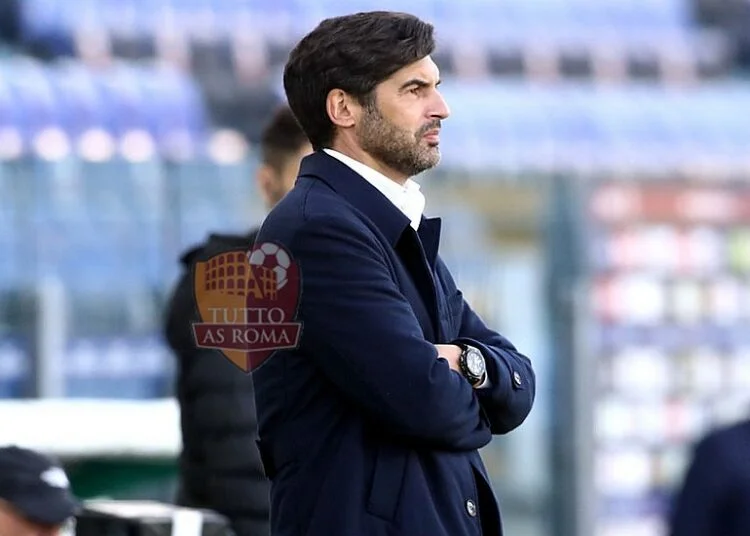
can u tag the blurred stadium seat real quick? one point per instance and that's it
(83, 191)
(228, 45)
(511, 127)
(117, 367)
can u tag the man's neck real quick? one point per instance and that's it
(356, 153)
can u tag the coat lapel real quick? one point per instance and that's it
(412, 254)
(429, 238)
(429, 234)
(417, 251)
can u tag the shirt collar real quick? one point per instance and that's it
(408, 198)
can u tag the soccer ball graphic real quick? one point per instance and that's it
(272, 256)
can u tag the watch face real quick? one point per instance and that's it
(475, 362)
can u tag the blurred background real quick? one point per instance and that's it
(595, 196)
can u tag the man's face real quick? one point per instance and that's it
(401, 127)
(274, 184)
(12, 524)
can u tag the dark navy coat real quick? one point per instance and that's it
(364, 431)
(715, 496)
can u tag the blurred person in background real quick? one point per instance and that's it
(220, 468)
(715, 496)
(372, 425)
(35, 495)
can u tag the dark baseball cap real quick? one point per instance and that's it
(35, 486)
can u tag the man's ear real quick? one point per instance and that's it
(342, 109)
(265, 177)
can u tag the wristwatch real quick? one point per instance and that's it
(472, 365)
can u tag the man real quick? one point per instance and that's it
(715, 496)
(220, 468)
(35, 496)
(372, 424)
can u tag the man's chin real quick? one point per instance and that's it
(433, 156)
(428, 164)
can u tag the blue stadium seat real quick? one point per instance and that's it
(118, 368)
(36, 106)
(173, 107)
(698, 124)
(134, 18)
(503, 125)
(650, 16)
(213, 198)
(123, 99)
(734, 131)
(59, 250)
(79, 99)
(119, 190)
(55, 189)
(114, 347)
(99, 240)
(51, 23)
(10, 111)
(483, 22)
(576, 135)
(276, 20)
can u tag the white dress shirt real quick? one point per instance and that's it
(408, 198)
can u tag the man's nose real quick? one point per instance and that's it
(441, 109)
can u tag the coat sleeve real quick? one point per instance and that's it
(698, 508)
(364, 336)
(512, 384)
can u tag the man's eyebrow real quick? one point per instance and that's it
(418, 82)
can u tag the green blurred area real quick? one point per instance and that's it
(123, 479)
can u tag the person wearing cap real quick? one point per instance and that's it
(35, 495)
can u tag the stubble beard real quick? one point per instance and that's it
(400, 150)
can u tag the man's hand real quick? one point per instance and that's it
(451, 353)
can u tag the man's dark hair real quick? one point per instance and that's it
(282, 137)
(353, 53)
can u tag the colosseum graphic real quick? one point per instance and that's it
(247, 302)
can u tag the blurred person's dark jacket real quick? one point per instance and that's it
(715, 496)
(220, 466)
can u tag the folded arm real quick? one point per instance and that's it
(364, 336)
(509, 396)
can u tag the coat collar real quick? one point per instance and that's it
(357, 191)
(386, 216)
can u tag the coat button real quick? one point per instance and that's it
(471, 508)
(517, 379)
